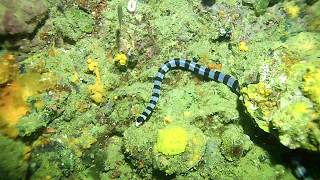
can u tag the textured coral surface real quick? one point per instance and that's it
(75, 75)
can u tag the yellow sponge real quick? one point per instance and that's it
(172, 140)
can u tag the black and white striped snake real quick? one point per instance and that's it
(192, 66)
(231, 82)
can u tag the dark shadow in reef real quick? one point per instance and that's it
(13, 38)
(279, 153)
(162, 175)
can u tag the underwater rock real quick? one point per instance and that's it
(47, 158)
(138, 144)
(256, 163)
(173, 149)
(13, 164)
(289, 106)
(30, 123)
(235, 144)
(259, 6)
(73, 24)
(114, 161)
(313, 17)
(306, 44)
(178, 148)
(21, 17)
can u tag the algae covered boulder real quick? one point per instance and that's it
(114, 161)
(73, 24)
(173, 149)
(13, 164)
(288, 106)
(20, 17)
(235, 143)
(313, 17)
(178, 148)
(259, 6)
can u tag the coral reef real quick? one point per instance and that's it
(13, 157)
(312, 17)
(234, 143)
(259, 6)
(72, 89)
(178, 148)
(73, 24)
(289, 107)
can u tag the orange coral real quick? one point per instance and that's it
(17, 89)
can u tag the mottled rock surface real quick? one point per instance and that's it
(21, 17)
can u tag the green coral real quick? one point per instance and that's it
(30, 123)
(307, 44)
(311, 84)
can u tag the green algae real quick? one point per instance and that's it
(287, 112)
(73, 23)
(114, 162)
(86, 140)
(13, 158)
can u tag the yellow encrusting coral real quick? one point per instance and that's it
(97, 90)
(311, 85)
(8, 68)
(292, 10)
(172, 140)
(178, 148)
(259, 97)
(298, 110)
(121, 59)
(75, 78)
(243, 46)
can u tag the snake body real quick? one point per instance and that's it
(205, 72)
(178, 63)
